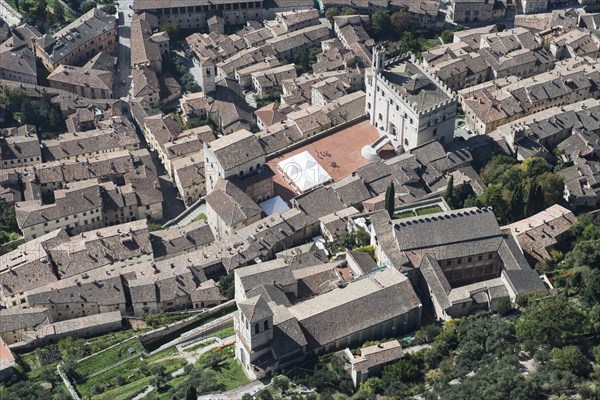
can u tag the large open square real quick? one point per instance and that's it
(338, 154)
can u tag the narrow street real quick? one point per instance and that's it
(124, 55)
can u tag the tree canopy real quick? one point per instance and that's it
(538, 322)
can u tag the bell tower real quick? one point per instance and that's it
(378, 62)
(208, 77)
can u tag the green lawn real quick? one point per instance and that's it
(171, 351)
(229, 373)
(163, 393)
(125, 391)
(109, 357)
(224, 333)
(429, 210)
(200, 217)
(404, 214)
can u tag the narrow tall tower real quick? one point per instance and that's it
(378, 58)
(208, 77)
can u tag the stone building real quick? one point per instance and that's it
(407, 104)
(93, 32)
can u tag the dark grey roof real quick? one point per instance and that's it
(464, 225)
(271, 293)
(236, 149)
(364, 260)
(231, 204)
(287, 333)
(319, 202)
(255, 309)
(436, 280)
(525, 281)
(362, 304)
(17, 319)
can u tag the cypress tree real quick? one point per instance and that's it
(390, 201)
(535, 199)
(191, 393)
(517, 203)
(450, 195)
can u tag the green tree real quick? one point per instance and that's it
(390, 199)
(447, 36)
(450, 195)
(281, 382)
(363, 238)
(28, 114)
(538, 321)
(401, 22)
(553, 186)
(171, 28)
(517, 204)
(193, 123)
(495, 196)
(87, 6)
(380, 21)
(59, 12)
(591, 291)
(571, 358)
(109, 9)
(535, 199)
(348, 11)
(332, 12)
(191, 393)
(227, 286)
(160, 375)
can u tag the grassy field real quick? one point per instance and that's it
(171, 351)
(163, 393)
(225, 333)
(109, 357)
(404, 214)
(429, 210)
(229, 372)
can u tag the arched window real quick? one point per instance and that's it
(256, 329)
(266, 325)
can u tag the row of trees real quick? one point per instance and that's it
(176, 65)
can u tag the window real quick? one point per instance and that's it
(490, 256)
(256, 329)
(459, 261)
(266, 325)
(435, 132)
